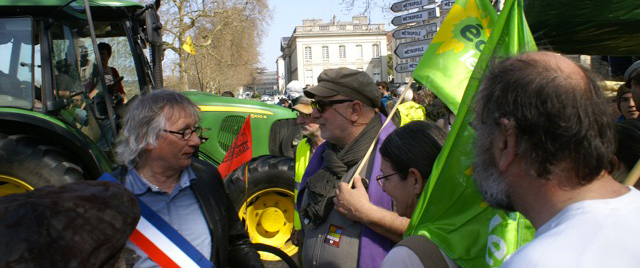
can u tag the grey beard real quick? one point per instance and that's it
(489, 181)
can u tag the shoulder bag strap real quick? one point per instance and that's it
(427, 251)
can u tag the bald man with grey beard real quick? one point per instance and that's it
(545, 147)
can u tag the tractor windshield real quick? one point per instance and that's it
(16, 69)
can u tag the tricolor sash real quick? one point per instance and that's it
(160, 241)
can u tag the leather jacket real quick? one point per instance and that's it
(228, 236)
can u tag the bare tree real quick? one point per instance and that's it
(226, 35)
(365, 7)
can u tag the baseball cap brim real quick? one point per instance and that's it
(303, 108)
(320, 91)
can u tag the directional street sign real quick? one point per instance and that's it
(426, 14)
(412, 49)
(419, 31)
(406, 67)
(411, 4)
(447, 4)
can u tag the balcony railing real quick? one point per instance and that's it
(339, 28)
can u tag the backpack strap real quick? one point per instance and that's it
(427, 251)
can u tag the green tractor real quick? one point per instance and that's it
(58, 117)
(51, 132)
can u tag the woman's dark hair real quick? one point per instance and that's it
(415, 145)
(628, 149)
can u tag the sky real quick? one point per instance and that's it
(289, 13)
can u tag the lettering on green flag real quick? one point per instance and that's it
(449, 60)
(451, 211)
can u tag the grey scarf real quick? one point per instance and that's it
(322, 185)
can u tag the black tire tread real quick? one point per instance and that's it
(265, 171)
(26, 158)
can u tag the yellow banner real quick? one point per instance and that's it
(188, 46)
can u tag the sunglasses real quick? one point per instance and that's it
(303, 115)
(322, 106)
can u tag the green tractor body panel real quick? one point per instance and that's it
(223, 118)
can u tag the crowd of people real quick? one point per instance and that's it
(546, 146)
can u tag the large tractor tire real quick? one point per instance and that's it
(26, 164)
(266, 203)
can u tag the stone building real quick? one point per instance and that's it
(316, 45)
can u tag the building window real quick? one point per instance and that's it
(357, 27)
(376, 51)
(359, 51)
(308, 77)
(342, 52)
(342, 27)
(307, 53)
(325, 52)
(324, 28)
(377, 75)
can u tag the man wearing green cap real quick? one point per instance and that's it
(344, 234)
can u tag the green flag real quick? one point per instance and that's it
(450, 58)
(451, 211)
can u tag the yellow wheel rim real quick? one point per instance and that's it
(11, 185)
(269, 220)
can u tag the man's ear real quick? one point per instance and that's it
(416, 181)
(356, 111)
(506, 144)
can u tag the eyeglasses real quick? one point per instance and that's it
(186, 135)
(321, 106)
(380, 178)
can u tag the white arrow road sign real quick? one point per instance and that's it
(411, 4)
(419, 31)
(447, 4)
(412, 49)
(426, 14)
(406, 67)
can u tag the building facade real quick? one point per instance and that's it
(315, 46)
(266, 83)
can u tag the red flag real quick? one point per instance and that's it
(239, 152)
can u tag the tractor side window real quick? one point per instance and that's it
(66, 64)
(71, 67)
(121, 64)
(16, 70)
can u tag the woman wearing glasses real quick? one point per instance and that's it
(408, 155)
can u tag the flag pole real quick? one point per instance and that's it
(246, 192)
(633, 175)
(364, 161)
(195, 62)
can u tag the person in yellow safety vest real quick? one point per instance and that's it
(304, 150)
(409, 110)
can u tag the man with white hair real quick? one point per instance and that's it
(156, 147)
(409, 110)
